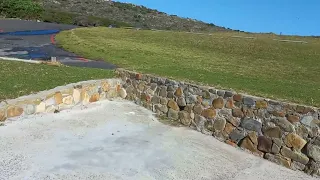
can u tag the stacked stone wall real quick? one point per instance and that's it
(284, 133)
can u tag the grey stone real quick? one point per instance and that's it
(153, 86)
(297, 166)
(170, 94)
(237, 135)
(170, 88)
(172, 114)
(302, 131)
(213, 91)
(248, 101)
(220, 93)
(181, 102)
(161, 108)
(199, 122)
(225, 113)
(30, 109)
(284, 124)
(275, 148)
(251, 124)
(277, 141)
(185, 118)
(294, 155)
(155, 99)
(308, 121)
(189, 108)
(219, 124)
(206, 94)
(313, 151)
(163, 91)
(163, 101)
(192, 99)
(228, 94)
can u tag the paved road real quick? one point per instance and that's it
(119, 140)
(39, 47)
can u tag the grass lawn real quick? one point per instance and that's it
(19, 78)
(261, 66)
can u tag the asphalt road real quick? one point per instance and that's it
(39, 47)
(114, 140)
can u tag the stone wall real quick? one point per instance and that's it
(284, 133)
(61, 98)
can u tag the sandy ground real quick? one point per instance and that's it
(119, 140)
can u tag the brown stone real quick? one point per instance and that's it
(278, 113)
(253, 137)
(105, 86)
(248, 144)
(303, 110)
(261, 104)
(58, 98)
(138, 76)
(295, 141)
(278, 160)
(229, 104)
(2, 116)
(231, 143)
(218, 103)
(118, 87)
(94, 98)
(14, 111)
(264, 144)
(209, 113)
(248, 112)
(173, 105)
(273, 132)
(237, 113)
(198, 109)
(234, 121)
(178, 92)
(199, 99)
(229, 128)
(294, 155)
(237, 97)
(293, 118)
(145, 97)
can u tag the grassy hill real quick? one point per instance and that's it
(258, 64)
(16, 79)
(101, 13)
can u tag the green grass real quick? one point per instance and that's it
(18, 78)
(262, 66)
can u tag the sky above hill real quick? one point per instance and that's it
(291, 17)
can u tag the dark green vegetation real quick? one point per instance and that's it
(20, 8)
(30, 9)
(18, 78)
(100, 13)
(259, 66)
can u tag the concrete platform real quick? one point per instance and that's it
(120, 140)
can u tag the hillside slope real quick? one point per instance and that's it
(136, 16)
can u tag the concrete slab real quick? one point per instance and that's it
(120, 140)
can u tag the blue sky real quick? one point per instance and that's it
(292, 17)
